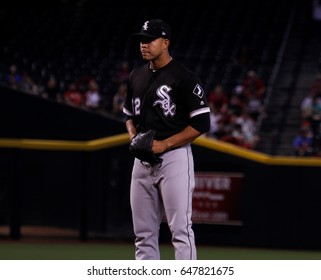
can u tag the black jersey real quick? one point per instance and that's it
(164, 100)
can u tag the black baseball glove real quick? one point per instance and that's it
(141, 147)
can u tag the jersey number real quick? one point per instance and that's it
(137, 106)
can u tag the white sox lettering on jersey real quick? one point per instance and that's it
(165, 102)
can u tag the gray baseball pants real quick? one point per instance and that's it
(164, 189)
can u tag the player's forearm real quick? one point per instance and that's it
(180, 139)
(131, 128)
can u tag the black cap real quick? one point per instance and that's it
(155, 28)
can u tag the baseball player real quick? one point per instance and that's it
(164, 96)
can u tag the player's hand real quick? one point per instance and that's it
(140, 147)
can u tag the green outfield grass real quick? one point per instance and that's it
(125, 251)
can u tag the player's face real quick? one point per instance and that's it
(151, 49)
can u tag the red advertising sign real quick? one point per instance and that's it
(217, 198)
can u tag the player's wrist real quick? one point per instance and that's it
(131, 136)
(167, 145)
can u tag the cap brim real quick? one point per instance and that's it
(144, 35)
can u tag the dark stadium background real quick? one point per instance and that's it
(87, 191)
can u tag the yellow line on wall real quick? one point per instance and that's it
(43, 144)
(256, 156)
(123, 139)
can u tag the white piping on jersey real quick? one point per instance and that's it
(199, 111)
(128, 113)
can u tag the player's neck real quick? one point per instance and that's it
(160, 62)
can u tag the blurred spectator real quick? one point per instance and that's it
(316, 115)
(303, 143)
(311, 121)
(311, 105)
(73, 96)
(306, 106)
(13, 77)
(234, 135)
(236, 105)
(82, 84)
(118, 100)
(253, 85)
(248, 124)
(51, 90)
(217, 99)
(216, 124)
(122, 73)
(254, 106)
(92, 96)
(28, 85)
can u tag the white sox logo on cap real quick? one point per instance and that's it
(154, 28)
(145, 26)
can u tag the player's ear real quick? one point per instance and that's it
(166, 43)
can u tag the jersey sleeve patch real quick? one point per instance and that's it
(198, 91)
